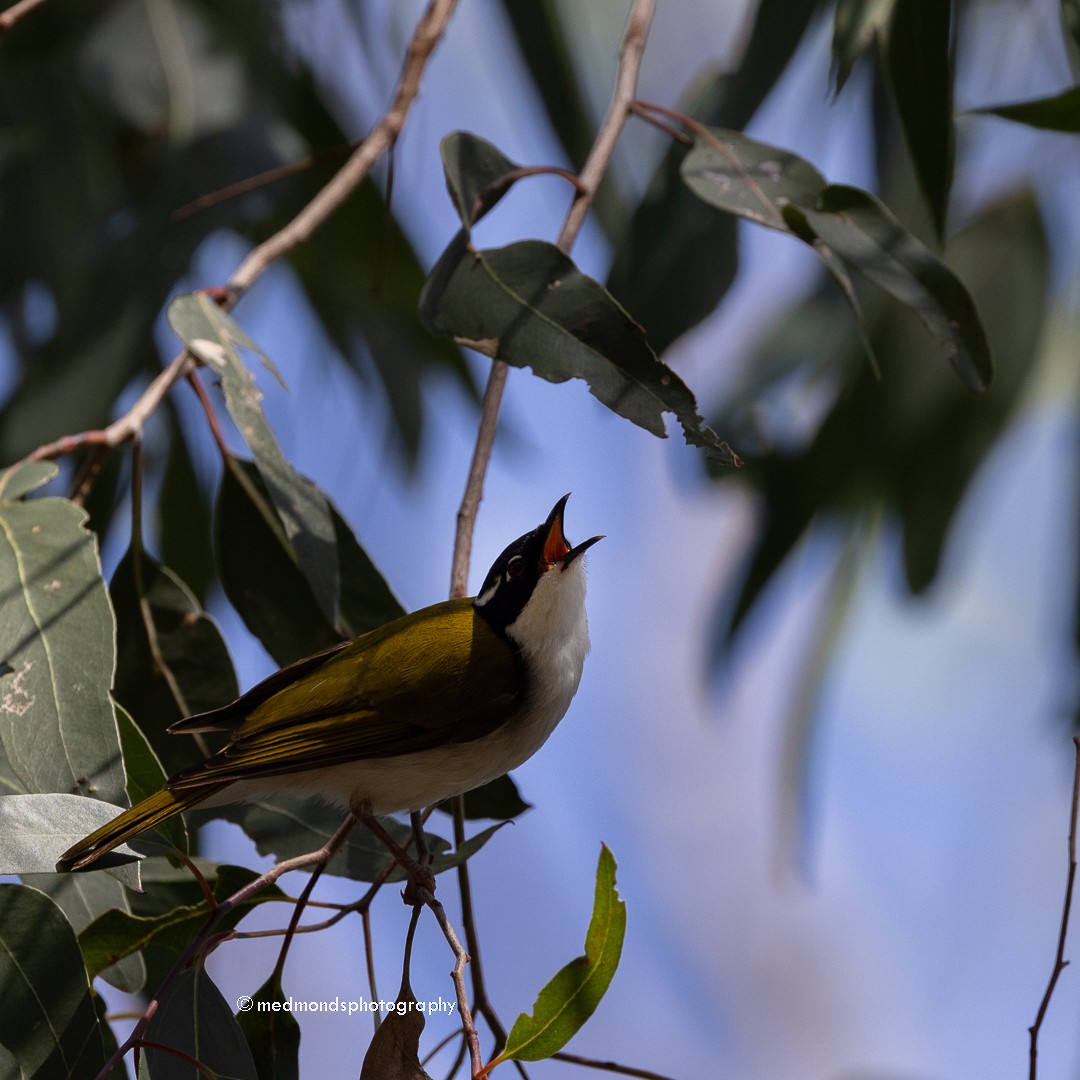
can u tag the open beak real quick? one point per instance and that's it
(557, 549)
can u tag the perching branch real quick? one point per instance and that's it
(1060, 963)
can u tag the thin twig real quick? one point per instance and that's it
(608, 1066)
(14, 13)
(461, 958)
(1060, 963)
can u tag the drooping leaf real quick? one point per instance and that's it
(856, 24)
(529, 305)
(48, 1022)
(499, 798)
(473, 168)
(272, 1033)
(571, 997)
(171, 658)
(919, 62)
(36, 829)
(115, 934)
(863, 232)
(394, 1050)
(194, 1018)
(216, 339)
(1061, 112)
(57, 728)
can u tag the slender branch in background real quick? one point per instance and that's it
(608, 1066)
(1060, 963)
(596, 165)
(14, 13)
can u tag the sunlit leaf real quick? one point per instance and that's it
(57, 727)
(572, 996)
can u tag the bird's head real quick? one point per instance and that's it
(536, 588)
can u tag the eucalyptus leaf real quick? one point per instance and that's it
(36, 829)
(1061, 112)
(394, 1050)
(474, 168)
(529, 305)
(194, 1018)
(856, 24)
(48, 1022)
(572, 995)
(215, 338)
(271, 1032)
(57, 728)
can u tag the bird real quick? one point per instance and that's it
(427, 706)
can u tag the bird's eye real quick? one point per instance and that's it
(515, 568)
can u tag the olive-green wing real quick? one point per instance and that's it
(439, 676)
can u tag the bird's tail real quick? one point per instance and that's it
(145, 815)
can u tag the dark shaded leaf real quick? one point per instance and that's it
(48, 1022)
(863, 232)
(394, 1050)
(571, 997)
(57, 727)
(35, 830)
(499, 799)
(216, 338)
(115, 934)
(529, 305)
(1058, 113)
(473, 168)
(194, 1018)
(185, 669)
(272, 1034)
(919, 62)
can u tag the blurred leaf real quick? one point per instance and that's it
(394, 1050)
(498, 798)
(265, 586)
(1058, 113)
(919, 63)
(856, 24)
(216, 338)
(48, 1022)
(194, 1018)
(146, 776)
(35, 830)
(529, 305)
(272, 1034)
(749, 178)
(185, 669)
(572, 996)
(115, 934)
(57, 727)
(1070, 24)
(82, 898)
(862, 231)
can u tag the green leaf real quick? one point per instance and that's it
(194, 1018)
(862, 231)
(48, 1022)
(749, 178)
(57, 728)
(571, 997)
(855, 26)
(216, 338)
(35, 830)
(919, 63)
(115, 934)
(82, 898)
(1058, 113)
(498, 798)
(272, 1033)
(529, 305)
(171, 658)
(146, 777)
(476, 172)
